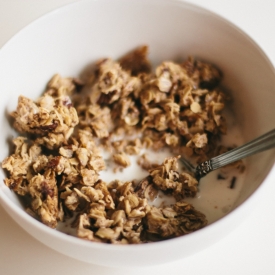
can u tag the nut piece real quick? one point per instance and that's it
(179, 220)
(44, 117)
(166, 177)
(122, 159)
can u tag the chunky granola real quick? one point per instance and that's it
(124, 108)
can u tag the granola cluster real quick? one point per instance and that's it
(125, 108)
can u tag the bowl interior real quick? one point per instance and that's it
(71, 38)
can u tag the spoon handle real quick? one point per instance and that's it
(262, 143)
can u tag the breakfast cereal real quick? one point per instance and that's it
(123, 108)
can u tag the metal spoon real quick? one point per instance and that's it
(262, 143)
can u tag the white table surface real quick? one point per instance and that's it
(249, 249)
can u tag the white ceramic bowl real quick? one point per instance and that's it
(68, 39)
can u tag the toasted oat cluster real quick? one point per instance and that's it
(124, 108)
